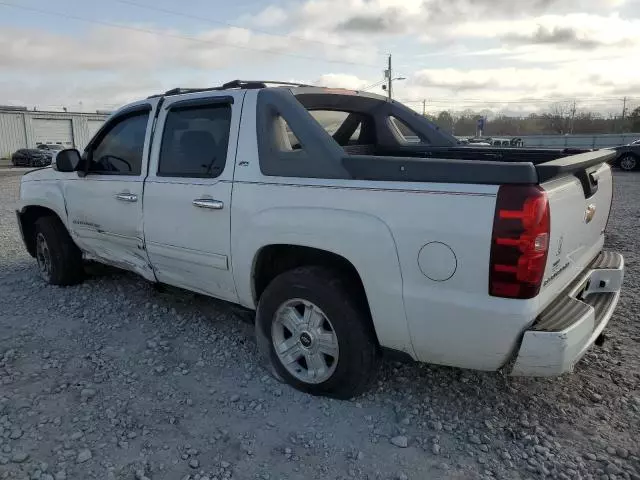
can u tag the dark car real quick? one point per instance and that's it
(52, 147)
(31, 157)
(628, 156)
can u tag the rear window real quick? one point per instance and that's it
(330, 120)
(351, 124)
(405, 132)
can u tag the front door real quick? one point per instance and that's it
(187, 194)
(105, 206)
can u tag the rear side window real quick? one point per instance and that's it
(195, 141)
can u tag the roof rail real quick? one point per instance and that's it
(242, 84)
(260, 84)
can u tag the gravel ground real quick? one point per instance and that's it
(114, 380)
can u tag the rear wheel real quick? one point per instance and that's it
(317, 336)
(628, 162)
(59, 259)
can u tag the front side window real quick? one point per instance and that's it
(119, 151)
(195, 141)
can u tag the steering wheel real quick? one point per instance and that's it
(106, 163)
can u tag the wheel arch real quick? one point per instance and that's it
(274, 259)
(27, 218)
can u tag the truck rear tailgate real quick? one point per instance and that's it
(579, 203)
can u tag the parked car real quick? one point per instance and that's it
(31, 157)
(347, 245)
(628, 156)
(52, 147)
(507, 142)
(479, 142)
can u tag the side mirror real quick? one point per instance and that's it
(67, 160)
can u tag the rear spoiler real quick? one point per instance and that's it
(579, 166)
(573, 164)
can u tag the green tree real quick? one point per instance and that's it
(445, 121)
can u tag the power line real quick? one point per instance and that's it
(373, 85)
(227, 24)
(181, 37)
(585, 101)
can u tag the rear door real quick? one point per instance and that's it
(187, 195)
(105, 206)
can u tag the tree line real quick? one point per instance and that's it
(559, 120)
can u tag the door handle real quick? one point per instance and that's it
(208, 203)
(126, 197)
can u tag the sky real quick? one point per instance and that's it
(502, 55)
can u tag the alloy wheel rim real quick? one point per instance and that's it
(305, 341)
(628, 163)
(43, 256)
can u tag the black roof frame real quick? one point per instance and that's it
(241, 84)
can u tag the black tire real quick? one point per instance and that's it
(628, 162)
(357, 360)
(61, 264)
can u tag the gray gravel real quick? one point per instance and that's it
(114, 380)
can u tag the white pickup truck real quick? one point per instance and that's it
(384, 235)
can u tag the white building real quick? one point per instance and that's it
(22, 128)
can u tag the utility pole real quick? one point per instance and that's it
(624, 112)
(573, 116)
(424, 108)
(389, 78)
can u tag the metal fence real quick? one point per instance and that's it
(575, 141)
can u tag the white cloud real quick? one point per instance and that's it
(272, 16)
(341, 80)
(577, 30)
(600, 86)
(141, 48)
(419, 17)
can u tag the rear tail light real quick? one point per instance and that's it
(520, 242)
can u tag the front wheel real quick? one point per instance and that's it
(628, 162)
(59, 259)
(315, 334)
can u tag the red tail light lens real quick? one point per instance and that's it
(520, 242)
